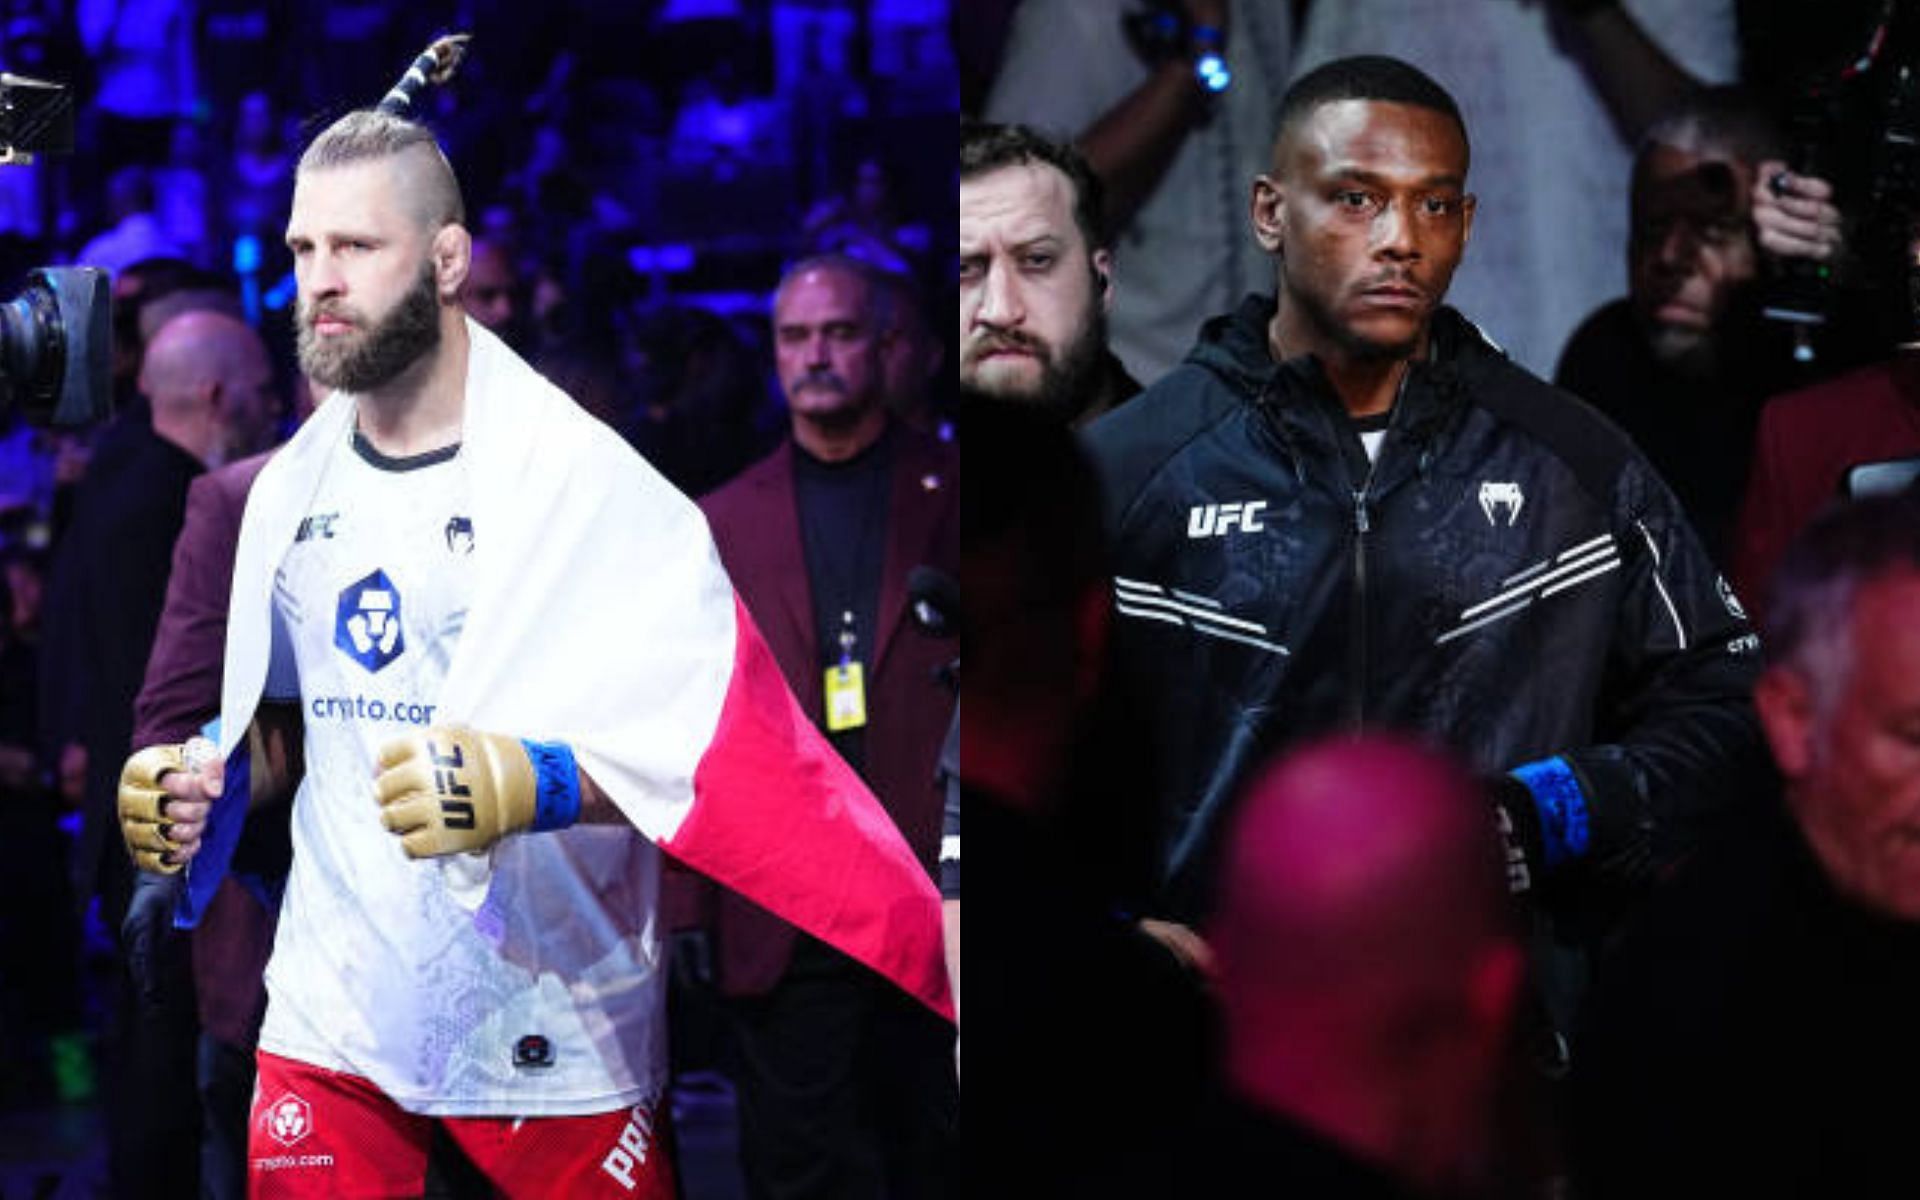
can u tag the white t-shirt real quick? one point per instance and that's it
(376, 969)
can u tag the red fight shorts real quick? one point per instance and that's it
(323, 1133)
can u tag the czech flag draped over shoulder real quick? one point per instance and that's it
(601, 617)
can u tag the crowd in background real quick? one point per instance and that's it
(637, 174)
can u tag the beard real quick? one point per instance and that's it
(1689, 353)
(1684, 350)
(1070, 376)
(373, 355)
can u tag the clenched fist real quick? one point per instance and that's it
(453, 789)
(165, 794)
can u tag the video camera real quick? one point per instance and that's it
(1858, 126)
(55, 344)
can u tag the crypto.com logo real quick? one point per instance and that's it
(288, 1119)
(368, 626)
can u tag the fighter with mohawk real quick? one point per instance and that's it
(520, 674)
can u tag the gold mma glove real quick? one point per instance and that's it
(453, 789)
(143, 801)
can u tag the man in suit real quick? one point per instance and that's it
(229, 947)
(209, 382)
(841, 1088)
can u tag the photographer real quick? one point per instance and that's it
(1684, 360)
(1831, 438)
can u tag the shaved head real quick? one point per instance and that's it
(1371, 77)
(197, 348)
(210, 382)
(1367, 969)
(420, 171)
(1365, 859)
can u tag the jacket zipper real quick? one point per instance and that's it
(1363, 525)
(1357, 644)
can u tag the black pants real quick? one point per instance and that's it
(846, 1087)
(39, 947)
(149, 1078)
(226, 1100)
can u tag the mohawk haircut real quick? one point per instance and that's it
(985, 147)
(1373, 77)
(369, 135)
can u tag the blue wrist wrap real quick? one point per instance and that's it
(1561, 805)
(556, 785)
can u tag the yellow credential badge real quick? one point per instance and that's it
(846, 697)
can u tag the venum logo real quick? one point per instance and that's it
(288, 1120)
(1497, 498)
(1218, 520)
(368, 624)
(460, 535)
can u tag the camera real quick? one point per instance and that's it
(55, 348)
(1857, 124)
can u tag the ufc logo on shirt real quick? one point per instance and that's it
(1218, 520)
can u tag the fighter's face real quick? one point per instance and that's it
(369, 300)
(1692, 246)
(1367, 211)
(827, 346)
(1853, 764)
(1032, 295)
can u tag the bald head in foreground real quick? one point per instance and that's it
(1368, 972)
(210, 382)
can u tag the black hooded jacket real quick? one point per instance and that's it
(1509, 577)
